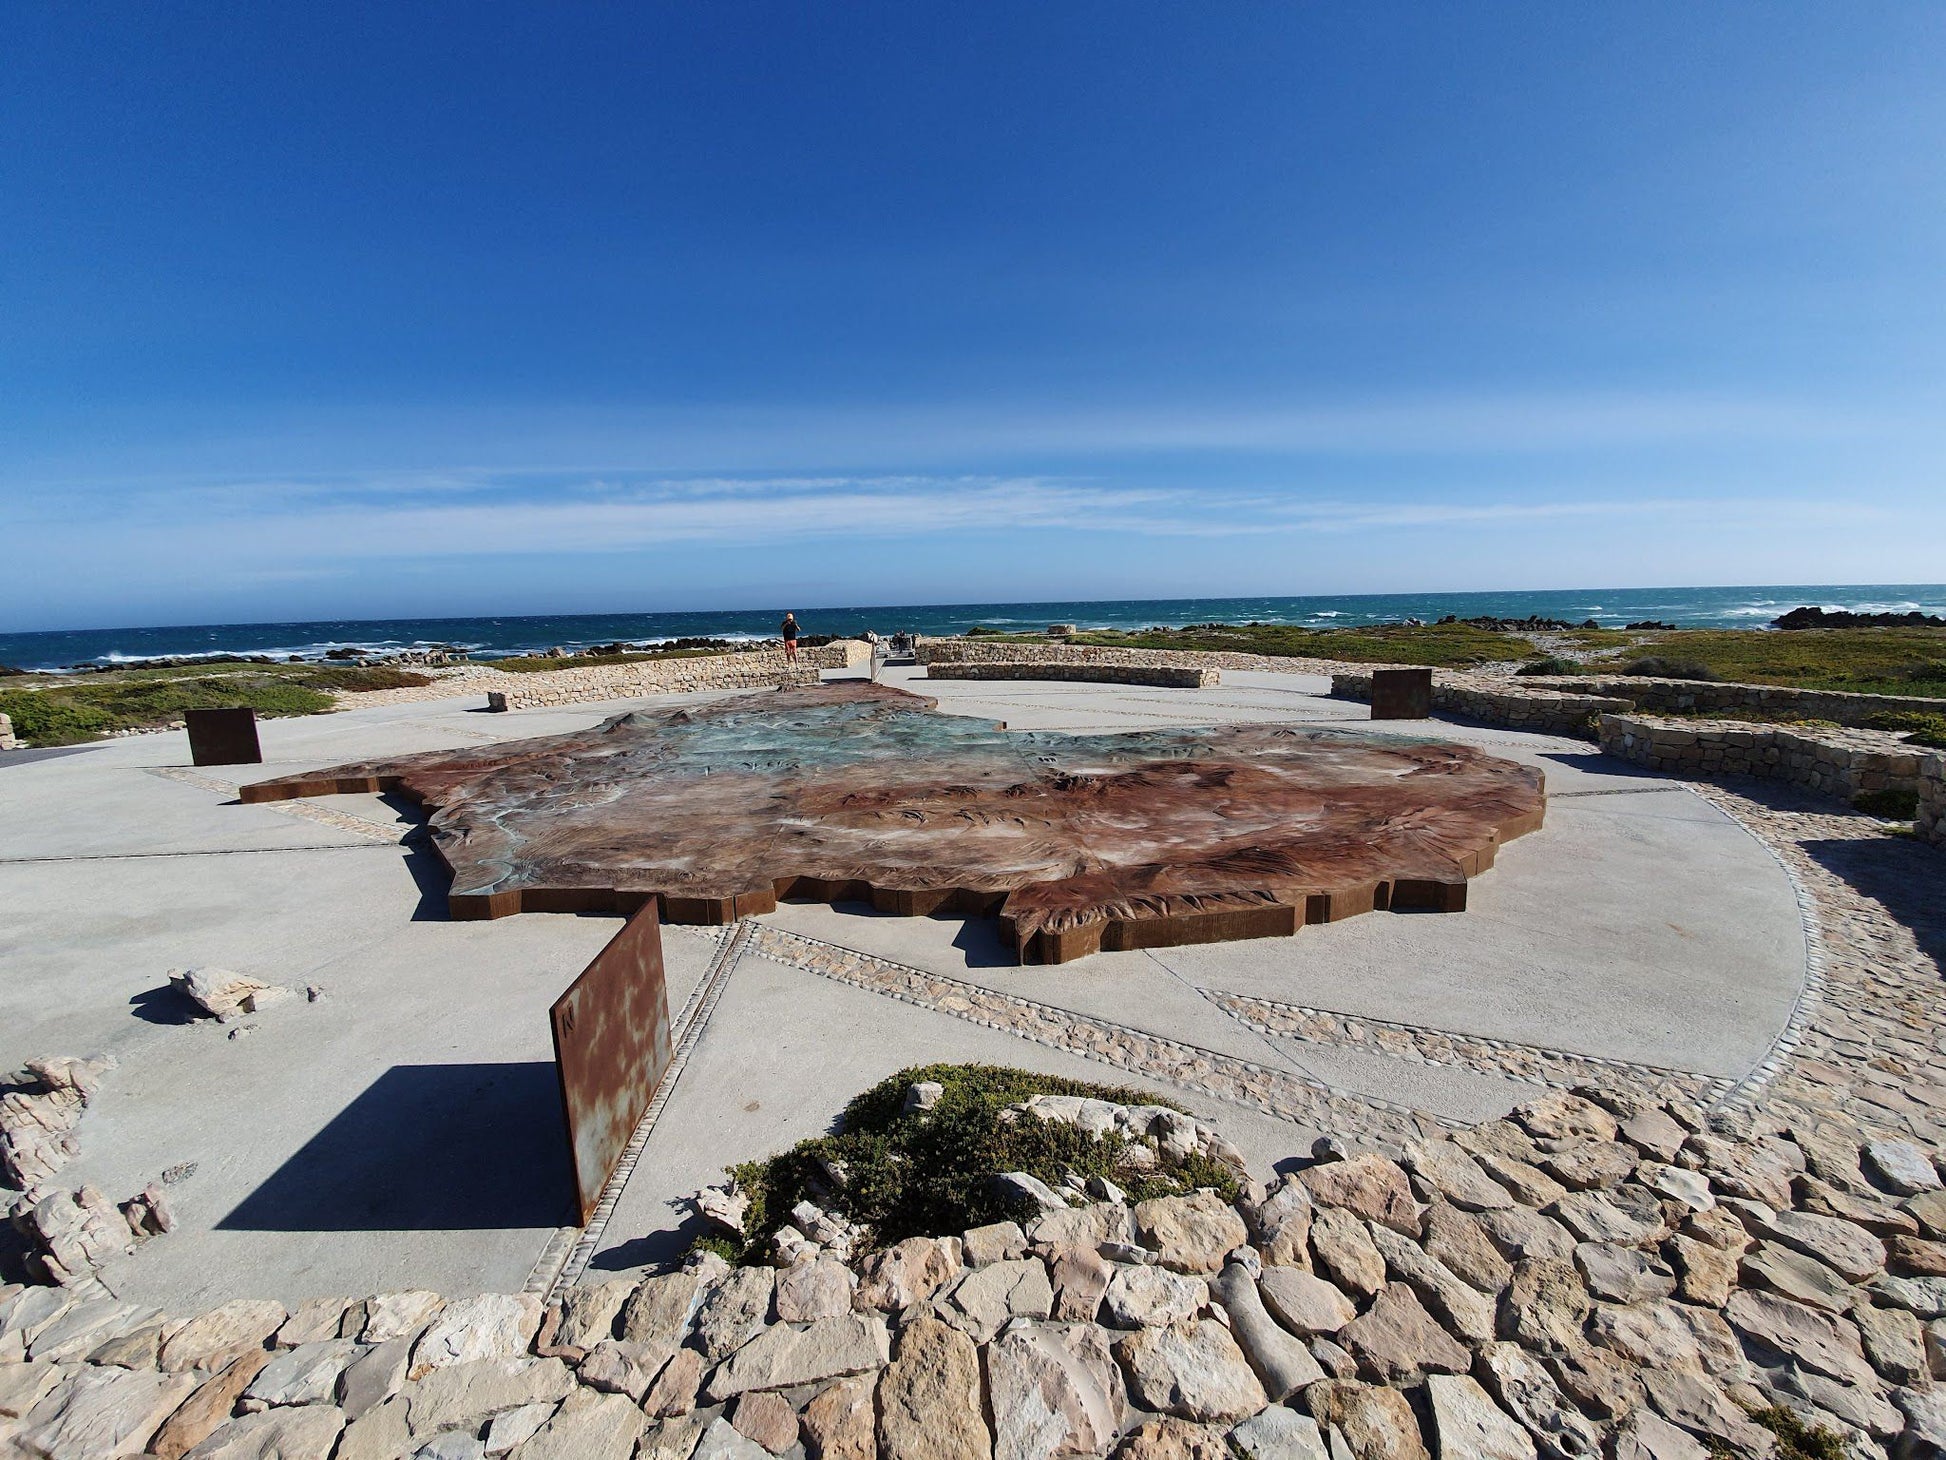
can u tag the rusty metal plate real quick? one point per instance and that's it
(223, 737)
(611, 1047)
(1401, 694)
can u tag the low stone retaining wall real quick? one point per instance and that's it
(1931, 820)
(1834, 761)
(981, 651)
(1701, 697)
(765, 669)
(1543, 712)
(7, 741)
(1595, 1275)
(1168, 676)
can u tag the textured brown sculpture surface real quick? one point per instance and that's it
(856, 791)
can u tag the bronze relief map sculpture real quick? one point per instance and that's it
(859, 792)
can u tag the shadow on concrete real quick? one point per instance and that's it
(979, 939)
(1597, 764)
(654, 1249)
(1907, 876)
(463, 1147)
(434, 882)
(165, 1005)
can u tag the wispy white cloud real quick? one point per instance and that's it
(326, 522)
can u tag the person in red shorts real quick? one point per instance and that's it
(789, 630)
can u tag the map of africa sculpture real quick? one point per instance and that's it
(860, 792)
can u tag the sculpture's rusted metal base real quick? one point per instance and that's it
(858, 792)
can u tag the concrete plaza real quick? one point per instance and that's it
(402, 1129)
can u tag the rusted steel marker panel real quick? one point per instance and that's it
(611, 1047)
(223, 737)
(1401, 694)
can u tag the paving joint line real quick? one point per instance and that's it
(776, 943)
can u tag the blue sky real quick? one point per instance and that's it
(363, 311)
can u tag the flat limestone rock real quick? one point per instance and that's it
(1397, 1339)
(781, 1357)
(1055, 1390)
(97, 1414)
(1194, 1371)
(304, 1433)
(1468, 1425)
(1078, 842)
(1304, 1302)
(1279, 1434)
(929, 1399)
(1191, 1233)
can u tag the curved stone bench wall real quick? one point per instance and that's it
(1834, 761)
(1543, 712)
(1701, 696)
(1168, 676)
(761, 670)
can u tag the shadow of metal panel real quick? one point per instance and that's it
(462, 1147)
(612, 1047)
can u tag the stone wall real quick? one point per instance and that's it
(7, 741)
(1593, 1275)
(1931, 820)
(1168, 676)
(1543, 712)
(984, 651)
(1831, 760)
(1701, 697)
(752, 669)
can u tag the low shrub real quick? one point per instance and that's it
(931, 1172)
(1918, 727)
(1795, 1439)
(1654, 667)
(1891, 804)
(1551, 666)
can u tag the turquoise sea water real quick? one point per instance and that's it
(1748, 607)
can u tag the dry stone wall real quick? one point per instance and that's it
(1829, 760)
(1544, 712)
(1167, 676)
(1594, 1275)
(755, 669)
(980, 651)
(1691, 696)
(1930, 822)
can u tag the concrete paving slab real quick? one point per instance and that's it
(785, 1051)
(396, 1134)
(1132, 989)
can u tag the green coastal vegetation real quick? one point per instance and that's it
(67, 710)
(1888, 661)
(907, 1173)
(1902, 660)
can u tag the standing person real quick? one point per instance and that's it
(789, 629)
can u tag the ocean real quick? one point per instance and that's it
(500, 636)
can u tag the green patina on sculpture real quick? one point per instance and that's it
(858, 792)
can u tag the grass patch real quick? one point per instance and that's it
(1795, 1439)
(1918, 727)
(69, 711)
(930, 1173)
(1654, 666)
(1901, 661)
